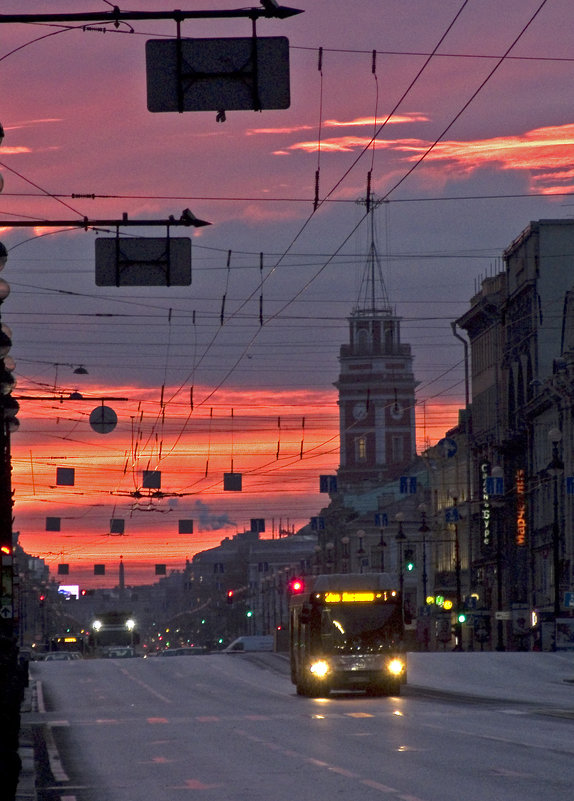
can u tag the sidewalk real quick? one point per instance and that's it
(26, 790)
(545, 678)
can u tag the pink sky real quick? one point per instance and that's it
(274, 281)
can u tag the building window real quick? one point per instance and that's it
(363, 340)
(360, 449)
(397, 449)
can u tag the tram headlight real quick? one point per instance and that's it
(319, 669)
(395, 667)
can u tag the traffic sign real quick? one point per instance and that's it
(6, 609)
(407, 485)
(447, 446)
(451, 514)
(494, 485)
(143, 261)
(250, 73)
(103, 419)
(569, 600)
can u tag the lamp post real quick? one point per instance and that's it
(424, 530)
(345, 558)
(400, 540)
(361, 553)
(330, 556)
(497, 473)
(381, 546)
(457, 573)
(555, 469)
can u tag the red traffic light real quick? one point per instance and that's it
(229, 596)
(296, 586)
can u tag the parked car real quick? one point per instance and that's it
(62, 656)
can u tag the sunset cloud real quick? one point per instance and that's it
(547, 153)
(358, 122)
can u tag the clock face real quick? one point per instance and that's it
(360, 411)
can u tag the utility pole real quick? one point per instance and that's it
(11, 676)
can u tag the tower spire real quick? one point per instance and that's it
(376, 384)
(373, 297)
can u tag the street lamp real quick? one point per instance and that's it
(555, 469)
(400, 540)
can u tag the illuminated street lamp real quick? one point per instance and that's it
(555, 469)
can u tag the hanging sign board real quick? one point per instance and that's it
(230, 74)
(143, 261)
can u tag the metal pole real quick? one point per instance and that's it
(400, 538)
(499, 622)
(555, 469)
(458, 625)
(556, 549)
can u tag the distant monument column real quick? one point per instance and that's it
(122, 582)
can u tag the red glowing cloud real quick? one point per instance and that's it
(279, 441)
(547, 153)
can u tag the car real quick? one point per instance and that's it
(120, 652)
(192, 650)
(62, 656)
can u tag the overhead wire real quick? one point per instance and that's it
(292, 300)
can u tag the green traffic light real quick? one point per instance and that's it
(461, 617)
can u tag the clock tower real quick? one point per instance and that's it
(376, 390)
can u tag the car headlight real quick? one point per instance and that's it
(319, 668)
(396, 666)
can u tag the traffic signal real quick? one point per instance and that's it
(249, 613)
(296, 586)
(461, 617)
(229, 597)
(409, 560)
